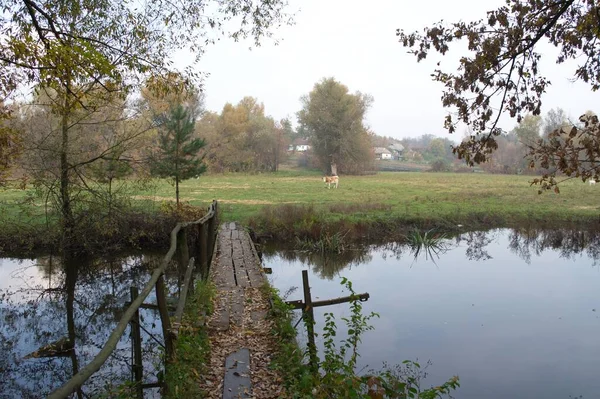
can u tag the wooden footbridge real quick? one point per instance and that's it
(239, 331)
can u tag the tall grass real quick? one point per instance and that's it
(430, 243)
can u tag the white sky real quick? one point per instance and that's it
(355, 42)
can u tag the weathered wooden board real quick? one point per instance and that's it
(236, 383)
(254, 270)
(236, 306)
(220, 322)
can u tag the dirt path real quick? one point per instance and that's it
(239, 331)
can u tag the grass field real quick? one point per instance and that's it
(414, 196)
(429, 199)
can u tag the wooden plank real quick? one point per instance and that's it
(220, 321)
(236, 306)
(240, 264)
(236, 383)
(223, 276)
(222, 270)
(257, 278)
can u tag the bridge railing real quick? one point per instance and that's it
(203, 249)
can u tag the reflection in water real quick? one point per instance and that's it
(46, 300)
(569, 243)
(515, 313)
(326, 265)
(523, 242)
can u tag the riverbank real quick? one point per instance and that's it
(292, 205)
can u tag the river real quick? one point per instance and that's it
(513, 313)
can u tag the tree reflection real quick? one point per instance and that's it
(524, 242)
(325, 265)
(476, 242)
(81, 300)
(568, 243)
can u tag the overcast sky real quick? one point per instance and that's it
(355, 42)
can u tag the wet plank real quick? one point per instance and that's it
(236, 383)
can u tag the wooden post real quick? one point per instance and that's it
(309, 320)
(203, 255)
(161, 301)
(182, 298)
(183, 251)
(136, 338)
(211, 237)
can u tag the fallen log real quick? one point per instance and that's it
(62, 347)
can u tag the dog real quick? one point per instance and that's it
(329, 180)
(592, 181)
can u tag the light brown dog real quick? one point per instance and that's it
(329, 180)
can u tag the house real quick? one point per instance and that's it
(382, 153)
(300, 145)
(397, 150)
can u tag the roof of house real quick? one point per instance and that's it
(397, 147)
(381, 150)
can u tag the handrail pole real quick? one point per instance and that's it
(136, 338)
(182, 298)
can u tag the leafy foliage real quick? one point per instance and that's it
(501, 74)
(334, 120)
(243, 138)
(573, 151)
(106, 40)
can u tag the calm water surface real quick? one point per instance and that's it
(515, 314)
(38, 298)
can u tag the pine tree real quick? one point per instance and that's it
(177, 156)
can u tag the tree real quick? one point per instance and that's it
(178, 150)
(10, 144)
(528, 130)
(501, 73)
(243, 138)
(334, 119)
(554, 120)
(84, 52)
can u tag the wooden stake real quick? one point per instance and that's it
(204, 248)
(309, 319)
(161, 301)
(136, 338)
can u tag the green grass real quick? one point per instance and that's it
(184, 375)
(386, 199)
(400, 195)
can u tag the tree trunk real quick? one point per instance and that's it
(71, 280)
(68, 221)
(177, 138)
(333, 169)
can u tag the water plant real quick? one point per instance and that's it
(431, 243)
(327, 242)
(337, 376)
